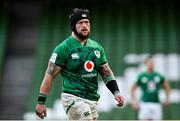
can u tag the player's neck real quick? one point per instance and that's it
(150, 70)
(82, 41)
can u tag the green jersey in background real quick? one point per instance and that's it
(80, 65)
(150, 84)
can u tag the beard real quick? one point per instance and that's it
(81, 36)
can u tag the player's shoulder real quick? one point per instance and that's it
(94, 43)
(63, 44)
(158, 74)
(142, 73)
(67, 41)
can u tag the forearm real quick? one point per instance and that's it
(113, 87)
(167, 89)
(167, 93)
(52, 71)
(109, 79)
(133, 95)
(106, 73)
(46, 84)
(133, 89)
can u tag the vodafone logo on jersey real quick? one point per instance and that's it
(89, 66)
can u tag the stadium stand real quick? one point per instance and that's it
(18, 57)
(3, 34)
(49, 36)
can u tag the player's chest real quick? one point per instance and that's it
(150, 82)
(86, 58)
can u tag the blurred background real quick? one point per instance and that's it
(128, 30)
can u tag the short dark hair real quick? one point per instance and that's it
(76, 15)
(148, 58)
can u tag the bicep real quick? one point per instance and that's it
(53, 69)
(105, 71)
(134, 87)
(166, 85)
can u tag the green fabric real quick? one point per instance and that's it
(41, 95)
(150, 84)
(80, 66)
(108, 79)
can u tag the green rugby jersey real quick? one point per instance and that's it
(80, 64)
(150, 84)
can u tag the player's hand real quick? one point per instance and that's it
(120, 100)
(167, 102)
(41, 111)
(135, 105)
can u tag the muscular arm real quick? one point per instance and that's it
(109, 79)
(105, 71)
(134, 101)
(167, 89)
(52, 71)
(111, 84)
(132, 91)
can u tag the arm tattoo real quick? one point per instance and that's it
(105, 71)
(53, 69)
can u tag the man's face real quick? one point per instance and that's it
(150, 63)
(83, 28)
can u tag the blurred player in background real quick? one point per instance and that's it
(79, 59)
(150, 83)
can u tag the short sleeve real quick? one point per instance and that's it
(103, 56)
(59, 55)
(138, 81)
(162, 79)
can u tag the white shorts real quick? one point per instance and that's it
(78, 108)
(150, 110)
